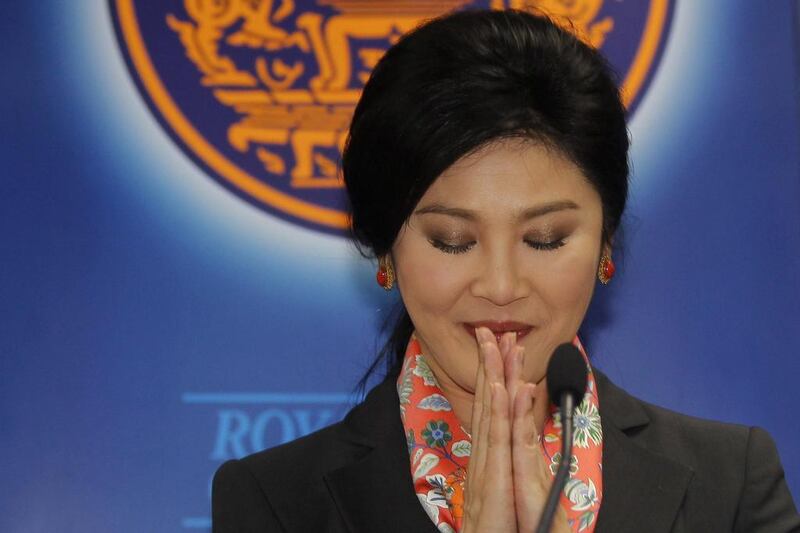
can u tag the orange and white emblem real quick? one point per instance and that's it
(260, 92)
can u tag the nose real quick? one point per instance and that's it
(501, 278)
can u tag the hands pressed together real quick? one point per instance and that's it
(507, 479)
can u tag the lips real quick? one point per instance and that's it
(499, 328)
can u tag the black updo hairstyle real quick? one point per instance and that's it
(461, 81)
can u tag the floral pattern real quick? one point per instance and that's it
(437, 433)
(439, 448)
(573, 464)
(587, 424)
(583, 492)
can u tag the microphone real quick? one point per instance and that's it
(566, 385)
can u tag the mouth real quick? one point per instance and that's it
(499, 328)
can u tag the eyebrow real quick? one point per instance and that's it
(527, 214)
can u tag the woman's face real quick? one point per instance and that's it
(509, 238)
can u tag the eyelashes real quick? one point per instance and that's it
(451, 248)
(547, 246)
(462, 248)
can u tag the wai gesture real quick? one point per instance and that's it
(507, 479)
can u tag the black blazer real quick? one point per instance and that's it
(662, 472)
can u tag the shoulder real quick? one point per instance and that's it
(735, 469)
(313, 455)
(332, 447)
(686, 439)
(303, 461)
(265, 491)
(288, 482)
(694, 441)
(738, 465)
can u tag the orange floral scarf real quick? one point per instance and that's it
(439, 448)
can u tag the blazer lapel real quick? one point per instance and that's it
(642, 490)
(376, 492)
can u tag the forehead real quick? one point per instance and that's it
(508, 176)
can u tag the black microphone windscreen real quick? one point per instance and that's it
(566, 372)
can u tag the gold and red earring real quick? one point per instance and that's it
(606, 269)
(385, 275)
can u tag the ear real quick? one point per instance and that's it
(607, 244)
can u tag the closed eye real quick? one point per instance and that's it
(547, 245)
(461, 248)
(451, 248)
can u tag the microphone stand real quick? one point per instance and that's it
(567, 407)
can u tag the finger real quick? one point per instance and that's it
(479, 404)
(531, 479)
(507, 341)
(507, 344)
(524, 431)
(480, 431)
(513, 373)
(478, 397)
(500, 427)
(489, 504)
(477, 400)
(491, 361)
(498, 462)
(494, 358)
(541, 406)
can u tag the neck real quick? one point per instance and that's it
(462, 399)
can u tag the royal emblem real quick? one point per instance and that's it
(260, 92)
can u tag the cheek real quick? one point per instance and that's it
(428, 283)
(564, 288)
(569, 287)
(433, 288)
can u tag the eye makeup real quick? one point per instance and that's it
(453, 245)
(450, 242)
(545, 235)
(547, 245)
(546, 240)
(451, 248)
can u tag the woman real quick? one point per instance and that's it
(487, 169)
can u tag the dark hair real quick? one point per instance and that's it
(455, 84)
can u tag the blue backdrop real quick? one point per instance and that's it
(155, 321)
